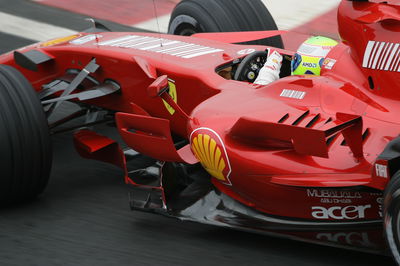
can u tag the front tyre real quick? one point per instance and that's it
(392, 216)
(196, 16)
(25, 146)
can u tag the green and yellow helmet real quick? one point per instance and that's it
(311, 54)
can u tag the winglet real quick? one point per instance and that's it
(303, 140)
(152, 136)
(147, 68)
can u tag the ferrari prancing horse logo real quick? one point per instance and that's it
(174, 96)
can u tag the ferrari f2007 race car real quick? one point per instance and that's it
(314, 158)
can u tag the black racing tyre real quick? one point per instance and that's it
(195, 16)
(25, 146)
(391, 215)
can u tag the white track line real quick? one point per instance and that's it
(30, 29)
(152, 24)
(286, 18)
(288, 14)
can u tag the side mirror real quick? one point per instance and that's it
(158, 87)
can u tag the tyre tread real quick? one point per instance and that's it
(27, 140)
(228, 16)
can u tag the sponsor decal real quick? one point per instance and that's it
(335, 201)
(350, 238)
(376, 194)
(59, 40)
(382, 56)
(329, 63)
(209, 149)
(86, 39)
(172, 92)
(334, 194)
(293, 94)
(339, 212)
(160, 45)
(381, 170)
(380, 206)
(312, 65)
(246, 51)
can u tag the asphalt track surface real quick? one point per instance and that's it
(83, 217)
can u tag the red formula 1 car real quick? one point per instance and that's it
(315, 158)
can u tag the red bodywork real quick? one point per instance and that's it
(303, 147)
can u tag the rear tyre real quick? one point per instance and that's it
(196, 16)
(25, 146)
(392, 216)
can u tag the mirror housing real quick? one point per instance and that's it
(158, 87)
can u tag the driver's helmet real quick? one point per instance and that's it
(311, 54)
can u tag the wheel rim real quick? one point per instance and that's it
(186, 30)
(390, 236)
(184, 25)
(392, 223)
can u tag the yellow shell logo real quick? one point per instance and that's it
(209, 151)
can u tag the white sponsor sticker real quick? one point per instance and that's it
(339, 212)
(329, 63)
(86, 39)
(161, 46)
(381, 170)
(382, 56)
(293, 94)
